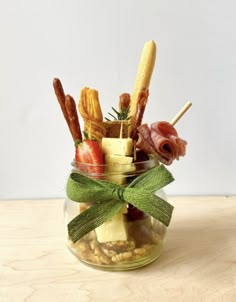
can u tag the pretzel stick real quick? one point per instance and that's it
(181, 113)
(61, 98)
(73, 118)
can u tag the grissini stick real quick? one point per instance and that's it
(143, 78)
(73, 118)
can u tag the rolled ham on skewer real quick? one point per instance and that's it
(162, 140)
(144, 141)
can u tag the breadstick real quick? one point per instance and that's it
(143, 77)
(73, 118)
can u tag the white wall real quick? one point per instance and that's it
(98, 44)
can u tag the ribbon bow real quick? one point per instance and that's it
(108, 199)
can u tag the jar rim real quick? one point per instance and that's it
(152, 160)
(101, 171)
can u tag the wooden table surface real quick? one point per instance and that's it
(198, 262)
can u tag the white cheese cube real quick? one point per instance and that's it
(117, 146)
(117, 165)
(114, 229)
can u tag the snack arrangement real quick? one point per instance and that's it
(116, 210)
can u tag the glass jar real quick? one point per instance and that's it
(131, 238)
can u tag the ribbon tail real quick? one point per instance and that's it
(92, 218)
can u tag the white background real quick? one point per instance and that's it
(98, 44)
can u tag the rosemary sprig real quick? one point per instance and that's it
(121, 115)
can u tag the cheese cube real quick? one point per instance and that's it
(117, 165)
(114, 229)
(117, 146)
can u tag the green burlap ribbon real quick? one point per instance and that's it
(108, 199)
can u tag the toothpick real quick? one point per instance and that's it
(90, 130)
(135, 154)
(181, 113)
(121, 129)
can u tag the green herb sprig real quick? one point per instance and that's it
(121, 115)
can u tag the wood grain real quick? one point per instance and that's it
(198, 262)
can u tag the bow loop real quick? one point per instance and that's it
(81, 188)
(146, 180)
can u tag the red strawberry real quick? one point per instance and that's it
(89, 157)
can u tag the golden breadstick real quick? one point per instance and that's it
(73, 118)
(90, 110)
(143, 77)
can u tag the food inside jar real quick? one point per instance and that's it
(144, 238)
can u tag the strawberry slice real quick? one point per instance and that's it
(89, 157)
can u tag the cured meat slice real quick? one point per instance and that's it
(162, 140)
(165, 148)
(144, 141)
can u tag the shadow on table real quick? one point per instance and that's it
(198, 241)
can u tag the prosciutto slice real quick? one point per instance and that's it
(144, 139)
(162, 140)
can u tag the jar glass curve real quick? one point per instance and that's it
(131, 239)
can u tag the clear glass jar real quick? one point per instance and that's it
(131, 239)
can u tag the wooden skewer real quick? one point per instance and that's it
(90, 130)
(135, 152)
(181, 113)
(121, 129)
